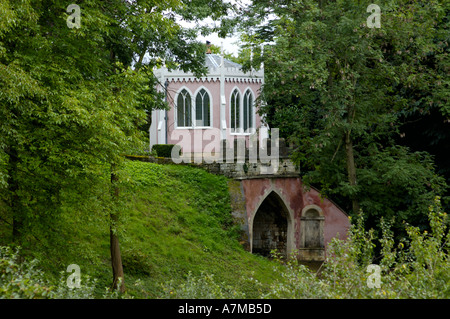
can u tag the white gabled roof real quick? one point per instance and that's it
(214, 61)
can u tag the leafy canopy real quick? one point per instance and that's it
(332, 83)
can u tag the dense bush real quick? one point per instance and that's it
(21, 279)
(163, 150)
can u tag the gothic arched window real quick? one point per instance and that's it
(235, 110)
(202, 109)
(248, 111)
(184, 118)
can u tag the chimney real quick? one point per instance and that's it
(208, 47)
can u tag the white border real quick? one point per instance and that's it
(211, 108)
(240, 108)
(175, 108)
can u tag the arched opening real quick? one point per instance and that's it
(248, 112)
(312, 222)
(311, 234)
(270, 227)
(235, 110)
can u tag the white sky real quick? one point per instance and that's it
(231, 43)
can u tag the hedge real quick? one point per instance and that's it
(163, 150)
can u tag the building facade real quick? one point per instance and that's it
(204, 111)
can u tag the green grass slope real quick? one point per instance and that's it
(173, 221)
(180, 222)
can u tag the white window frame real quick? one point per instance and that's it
(240, 130)
(251, 110)
(194, 106)
(176, 108)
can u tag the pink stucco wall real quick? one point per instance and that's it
(296, 197)
(213, 88)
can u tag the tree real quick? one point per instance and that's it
(332, 86)
(425, 122)
(72, 101)
(143, 30)
(60, 117)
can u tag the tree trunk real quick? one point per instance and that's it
(14, 204)
(116, 261)
(116, 258)
(351, 169)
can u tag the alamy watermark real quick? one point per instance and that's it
(374, 20)
(73, 20)
(374, 280)
(207, 146)
(74, 280)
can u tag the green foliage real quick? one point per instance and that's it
(173, 219)
(163, 150)
(329, 77)
(20, 280)
(417, 268)
(201, 287)
(73, 100)
(185, 248)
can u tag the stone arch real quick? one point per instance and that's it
(271, 226)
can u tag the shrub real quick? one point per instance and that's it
(164, 150)
(201, 287)
(21, 280)
(419, 267)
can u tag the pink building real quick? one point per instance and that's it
(203, 111)
(276, 210)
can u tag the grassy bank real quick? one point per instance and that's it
(175, 222)
(181, 222)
